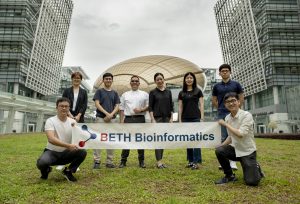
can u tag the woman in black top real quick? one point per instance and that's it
(160, 109)
(191, 109)
(78, 98)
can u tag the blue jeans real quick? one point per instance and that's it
(224, 133)
(193, 154)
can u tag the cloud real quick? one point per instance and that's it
(105, 32)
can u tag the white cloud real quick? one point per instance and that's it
(106, 32)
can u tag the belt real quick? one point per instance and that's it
(134, 116)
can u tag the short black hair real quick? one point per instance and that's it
(76, 74)
(62, 99)
(107, 75)
(231, 94)
(157, 74)
(223, 66)
(134, 76)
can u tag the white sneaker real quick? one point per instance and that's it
(60, 167)
(233, 165)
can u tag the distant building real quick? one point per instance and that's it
(211, 78)
(173, 68)
(260, 39)
(33, 36)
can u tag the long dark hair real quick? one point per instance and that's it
(194, 85)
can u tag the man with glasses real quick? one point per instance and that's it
(239, 145)
(219, 90)
(59, 150)
(133, 107)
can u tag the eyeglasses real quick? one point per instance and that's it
(135, 81)
(231, 101)
(63, 106)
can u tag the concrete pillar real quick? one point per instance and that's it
(275, 94)
(253, 101)
(34, 94)
(25, 122)
(2, 123)
(10, 120)
(253, 108)
(1, 115)
(16, 88)
(39, 123)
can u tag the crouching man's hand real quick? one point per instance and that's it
(72, 147)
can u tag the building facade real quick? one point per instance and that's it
(211, 78)
(260, 39)
(27, 114)
(33, 36)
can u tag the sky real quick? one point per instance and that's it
(105, 32)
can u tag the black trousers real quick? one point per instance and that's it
(251, 168)
(52, 158)
(81, 120)
(141, 152)
(160, 152)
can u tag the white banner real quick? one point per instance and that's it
(146, 135)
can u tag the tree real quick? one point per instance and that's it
(272, 125)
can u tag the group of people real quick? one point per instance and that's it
(237, 125)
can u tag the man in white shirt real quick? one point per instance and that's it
(239, 145)
(59, 150)
(133, 107)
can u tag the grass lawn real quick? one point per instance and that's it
(20, 182)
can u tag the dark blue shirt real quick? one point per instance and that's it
(107, 99)
(222, 88)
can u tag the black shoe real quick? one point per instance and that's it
(226, 179)
(46, 173)
(262, 174)
(68, 175)
(122, 165)
(142, 164)
(96, 165)
(189, 165)
(111, 166)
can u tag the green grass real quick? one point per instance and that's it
(20, 182)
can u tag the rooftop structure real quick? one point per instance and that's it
(173, 69)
